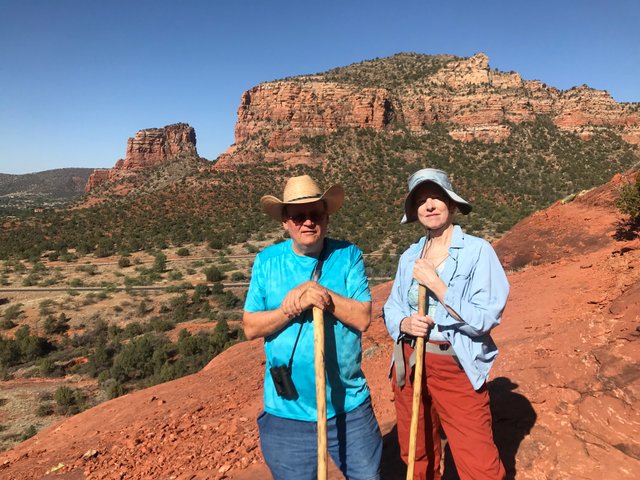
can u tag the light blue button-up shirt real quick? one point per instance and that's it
(477, 291)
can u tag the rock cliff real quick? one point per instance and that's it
(149, 147)
(476, 101)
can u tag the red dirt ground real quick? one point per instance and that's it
(564, 390)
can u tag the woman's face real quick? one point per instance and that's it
(435, 208)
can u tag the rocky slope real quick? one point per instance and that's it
(415, 91)
(564, 391)
(148, 148)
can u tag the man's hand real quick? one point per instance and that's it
(304, 296)
(416, 325)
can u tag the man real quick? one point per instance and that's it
(280, 296)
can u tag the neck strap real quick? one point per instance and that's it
(315, 276)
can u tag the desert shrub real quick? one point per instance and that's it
(213, 274)
(6, 324)
(33, 347)
(45, 409)
(68, 400)
(94, 335)
(215, 244)
(629, 200)
(183, 252)
(45, 306)
(88, 269)
(9, 353)
(200, 292)
(140, 358)
(49, 368)
(54, 326)
(159, 262)
(13, 311)
(105, 248)
(28, 433)
(238, 276)
(30, 280)
(133, 329)
(250, 248)
(142, 309)
(179, 288)
(227, 299)
(100, 360)
(159, 324)
(124, 262)
(174, 275)
(112, 388)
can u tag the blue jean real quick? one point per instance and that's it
(290, 447)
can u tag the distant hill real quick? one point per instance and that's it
(47, 188)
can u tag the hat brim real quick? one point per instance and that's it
(409, 217)
(333, 197)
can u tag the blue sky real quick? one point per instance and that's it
(79, 77)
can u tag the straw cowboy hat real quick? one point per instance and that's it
(302, 189)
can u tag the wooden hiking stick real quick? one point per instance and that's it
(321, 390)
(417, 386)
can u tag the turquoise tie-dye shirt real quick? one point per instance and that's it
(276, 271)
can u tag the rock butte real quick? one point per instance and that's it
(148, 148)
(476, 101)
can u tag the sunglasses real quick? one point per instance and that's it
(300, 218)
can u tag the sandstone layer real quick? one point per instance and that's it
(476, 101)
(148, 148)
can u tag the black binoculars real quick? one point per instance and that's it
(283, 382)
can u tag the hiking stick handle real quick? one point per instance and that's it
(321, 390)
(417, 387)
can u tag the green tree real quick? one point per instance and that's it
(160, 262)
(213, 274)
(140, 358)
(629, 200)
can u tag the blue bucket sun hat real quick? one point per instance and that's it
(441, 179)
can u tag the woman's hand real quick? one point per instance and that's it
(304, 296)
(416, 325)
(424, 271)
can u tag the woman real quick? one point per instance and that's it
(467, 291)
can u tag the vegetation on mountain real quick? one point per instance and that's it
(537, 165)
(392, 72)
(48, 188)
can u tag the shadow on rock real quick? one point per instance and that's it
(392, 467)
(628, 229)
(513, 419)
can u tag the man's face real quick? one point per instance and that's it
(307, 226)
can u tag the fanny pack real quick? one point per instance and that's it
(439, 348)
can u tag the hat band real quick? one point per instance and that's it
(303, 198)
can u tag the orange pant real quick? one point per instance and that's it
(449, 401)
